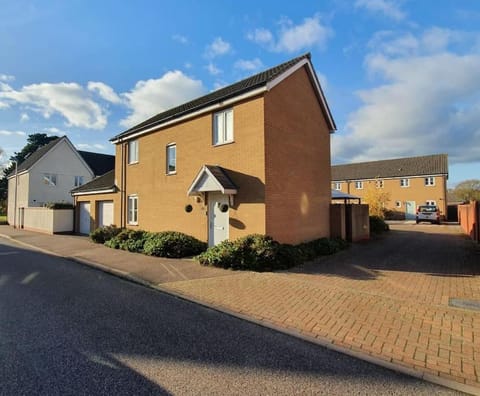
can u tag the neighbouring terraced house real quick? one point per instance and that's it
(409, 182)
(252, 157)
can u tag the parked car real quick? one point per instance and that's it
(429, 213)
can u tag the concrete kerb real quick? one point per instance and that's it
(320, 341)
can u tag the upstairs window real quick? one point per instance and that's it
(379, 183)
(78, 181)
(404, 182)
(50, 179)
(430, 181)
(223, 127)
(133, 151)
(337, 186)
(359, 185)
(171, 159)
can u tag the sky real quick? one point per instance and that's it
(401, 77)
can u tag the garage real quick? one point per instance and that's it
(105, 213)
(84, 218)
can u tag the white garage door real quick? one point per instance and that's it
(105, 213)
(84, 218)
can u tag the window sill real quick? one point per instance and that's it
(223, 143)
(132, 224)
(133, 163)
(170, 173)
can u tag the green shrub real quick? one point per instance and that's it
(262, 253)
(378, 225)
(131, 240)
(58, 205)
(173, 244)
(103, 234)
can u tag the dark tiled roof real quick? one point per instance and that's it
(222, 94)
(35, 156)
(436, 164)
(104, 182)
(222, 177)
(99, 163)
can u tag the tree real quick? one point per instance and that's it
(468, 190)
(376, 198)
(34, 141)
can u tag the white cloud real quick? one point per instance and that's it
(4, 132)
(388, 8)
(427, 101)
(293, 38)
(88, 146)
(250, 65)
(54, 131)
(156, 95)
(218, 47)
(213, 70)
(24, 117)
(104, 91)
(6, 77)
(180, 39)
(70, 100)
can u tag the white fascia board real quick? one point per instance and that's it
(316, 84)
(111, 190)
(208, 109)
(19, 173)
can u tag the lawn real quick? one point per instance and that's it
(3, 219)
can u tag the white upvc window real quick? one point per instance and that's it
(133, 151)
(50, 179)
(337, 186)
(223, 127)
(359, 185)
(430, 181)
(78, 181)
(132, 216)
(171, 159)
(404, 182)
(379, 183)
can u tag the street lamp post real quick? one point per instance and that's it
(15, 196)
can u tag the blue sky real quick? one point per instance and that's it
(402, 78)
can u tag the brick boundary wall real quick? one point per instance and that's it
(469, 219)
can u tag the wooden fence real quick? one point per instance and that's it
(469, 219)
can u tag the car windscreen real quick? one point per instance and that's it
(428, 209)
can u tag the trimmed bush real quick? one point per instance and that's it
(131, 240)
(378, 225)
(58, 205)
(103, 234)
(173, 244)
(262, 253)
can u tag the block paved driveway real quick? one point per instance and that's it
(389, 298)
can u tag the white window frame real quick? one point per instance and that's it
(337, 186)
(133, 151)
(78, 181)
(404, 183)
(168, 157)
(429, 181)
(379, 183)
(50, 179)
(132, 209)
(359, 185)
(222, 130)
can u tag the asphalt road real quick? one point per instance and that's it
(66, 329)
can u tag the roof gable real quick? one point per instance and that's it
(264, 80)
(436, 164)
(212, 178)
(33, 158)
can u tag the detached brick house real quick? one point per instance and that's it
(253, 157)
(410, 182)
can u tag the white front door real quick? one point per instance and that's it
(218, 218)
(84, 218)
(410, 210)
(105, 213)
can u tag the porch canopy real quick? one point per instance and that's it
(341, 196)
(212, 178)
